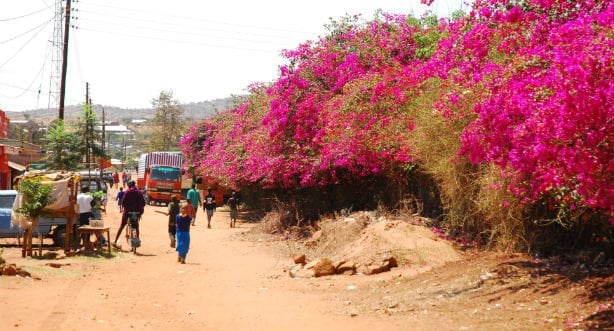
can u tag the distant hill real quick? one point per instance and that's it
(192, 111)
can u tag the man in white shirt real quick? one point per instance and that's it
(85, 202)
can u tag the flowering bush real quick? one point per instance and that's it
(524, 87)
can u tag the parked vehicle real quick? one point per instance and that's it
(48, 227)
(7, 228)
(159, 176)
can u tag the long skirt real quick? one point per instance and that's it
(183, 243)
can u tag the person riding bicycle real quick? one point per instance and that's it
(133, 201)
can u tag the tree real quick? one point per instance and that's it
(36, 196)
(168, 125)
(89, 140)
(61, 147)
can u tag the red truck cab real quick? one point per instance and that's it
(159, 176)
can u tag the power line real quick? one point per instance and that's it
(22, 16)
(23, 33)
(188, 33)
(166, 15)
(248, 33)
(177, 41)
(47, 54)
(24, 45)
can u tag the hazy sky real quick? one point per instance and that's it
(130, 50)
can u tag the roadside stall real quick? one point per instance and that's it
(65, 187)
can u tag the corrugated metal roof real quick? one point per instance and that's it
(17, 166)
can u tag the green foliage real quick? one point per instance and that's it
(98, 196)
(427, 43)
(61, 146)
(36, 196)
(89, 140)
(458, 14)
(168, 123)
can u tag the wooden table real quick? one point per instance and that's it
(97, 230)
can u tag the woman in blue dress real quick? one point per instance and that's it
(183, 222)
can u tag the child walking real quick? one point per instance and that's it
(120, 198)
(183, 222)
(173, 211)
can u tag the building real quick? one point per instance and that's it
(15, 155)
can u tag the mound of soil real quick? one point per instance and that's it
(362, 239)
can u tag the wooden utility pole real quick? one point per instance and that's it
(103, 133)
(64, 62)
(87, 132)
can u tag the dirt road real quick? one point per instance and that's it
(226, 284)
(236, 279)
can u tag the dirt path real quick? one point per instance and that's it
(232, 283)
(227, 284)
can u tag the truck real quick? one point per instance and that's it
(159, 176)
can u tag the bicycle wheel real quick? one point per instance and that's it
(133, 240)
(128, 232)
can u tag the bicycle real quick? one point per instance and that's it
(132, 228)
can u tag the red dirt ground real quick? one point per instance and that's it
(236, 279)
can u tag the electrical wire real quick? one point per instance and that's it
(177, 41)
(24, 45)
(22, 16)
(188, 33)
(23, 33)
(197, 19)
(248, 33)
(77, 58)
(47, 54)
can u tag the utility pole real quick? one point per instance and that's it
(64, 62)
(87, 130)
(103, 133)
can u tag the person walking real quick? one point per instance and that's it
(183, 222)
(233, 203)
(124, 179)
(194, 196)
(116, 179)
(209, 206)
(133, 202)
(173, 211)
(120, 198)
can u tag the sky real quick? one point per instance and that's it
(128, 51)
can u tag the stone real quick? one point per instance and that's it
(338, 263)
(300, 259)
(9, 270)
(324, 268)
(346, 268)
(390, 262)
(312, 264)
(374, 269)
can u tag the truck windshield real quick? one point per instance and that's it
(165, 173)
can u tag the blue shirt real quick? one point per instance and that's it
(183, 223)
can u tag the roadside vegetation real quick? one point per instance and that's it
(496, 124)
